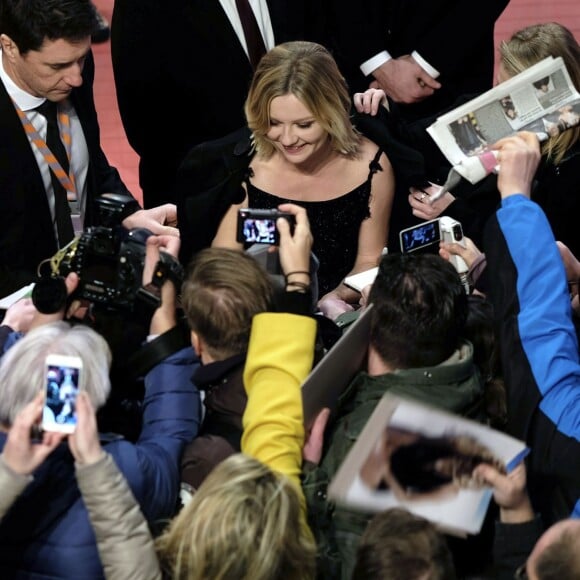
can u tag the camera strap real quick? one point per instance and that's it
(158, 349)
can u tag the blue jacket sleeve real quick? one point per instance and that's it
(171, 418)
(538, 342)
(545, 316)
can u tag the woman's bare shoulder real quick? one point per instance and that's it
(369, 148)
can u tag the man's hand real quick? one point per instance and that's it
(509, 492)
(164, 318)
(405, 81)
(20, 454)
(20, 315)
(160, 220)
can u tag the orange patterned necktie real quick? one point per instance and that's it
(61, 207)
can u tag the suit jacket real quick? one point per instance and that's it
(27, 235)
(444, 32)
(182, 77)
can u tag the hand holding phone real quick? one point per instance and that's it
(62, 383)
(84, 443)
(22, 451)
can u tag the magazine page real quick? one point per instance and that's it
(24, 292)
(337, 368)
(420, 458)
(541, 99)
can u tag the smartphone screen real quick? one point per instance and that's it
(63, 380)
(260, 231)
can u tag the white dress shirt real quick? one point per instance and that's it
(79, 163)
(373, 63)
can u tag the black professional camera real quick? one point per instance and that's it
(109, 259)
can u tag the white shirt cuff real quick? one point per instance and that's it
(374, 63)
(432, 72)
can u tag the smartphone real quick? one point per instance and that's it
(423, 237)
(258, 226)
(63, 376)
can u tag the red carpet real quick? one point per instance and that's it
(518, 14)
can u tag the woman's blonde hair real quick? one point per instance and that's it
(531, 45)
(244, 522)
(307, 71)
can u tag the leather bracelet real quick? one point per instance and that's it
(304, 287)
(303, 272)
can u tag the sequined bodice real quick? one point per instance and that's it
(335, 225)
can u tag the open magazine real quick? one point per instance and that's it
(541, 99)
(417, 457)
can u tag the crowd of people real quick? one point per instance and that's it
(200, 465)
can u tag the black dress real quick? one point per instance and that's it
(557, 191)
(335, 225)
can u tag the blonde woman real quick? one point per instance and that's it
(306, 151)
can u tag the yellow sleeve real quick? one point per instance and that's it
(280, 356)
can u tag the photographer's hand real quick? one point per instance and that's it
(20, 453)
(160, 220)
(164, 318)
(469, 253)
(294, 249)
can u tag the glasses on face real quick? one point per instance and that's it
(521, 572)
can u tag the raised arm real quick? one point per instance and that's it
(539, 347)
(280, 356)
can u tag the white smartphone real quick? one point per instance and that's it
(63, 375)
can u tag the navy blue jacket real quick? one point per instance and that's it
(47, 533)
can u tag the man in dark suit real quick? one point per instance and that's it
(45, 58)
(182, 74)
(423, 53)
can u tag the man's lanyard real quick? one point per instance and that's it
(67, 180)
